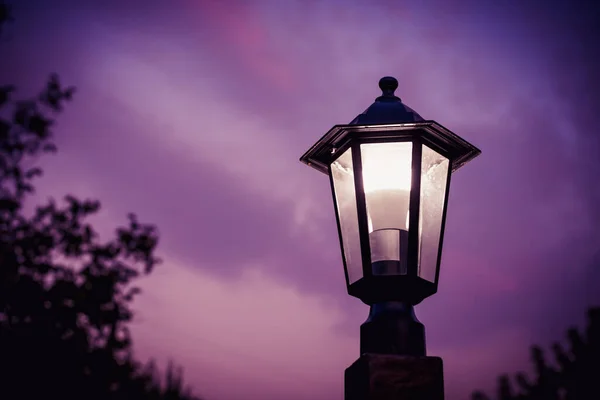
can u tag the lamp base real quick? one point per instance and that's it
(393, 377)
(392, 328)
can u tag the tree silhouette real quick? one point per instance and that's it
(575, 375)
(65, 295)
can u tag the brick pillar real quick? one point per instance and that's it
(394, 377)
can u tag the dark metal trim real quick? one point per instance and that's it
(414, 209)
(458, 150)
(377, 140)
(361, 209)
(339, 151)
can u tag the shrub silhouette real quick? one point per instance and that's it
(65, 295)
(575, 375)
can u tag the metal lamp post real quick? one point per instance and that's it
(390, 174)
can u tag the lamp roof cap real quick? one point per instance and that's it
(387, 108)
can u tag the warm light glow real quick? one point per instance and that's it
(388, 167)
(387, 178)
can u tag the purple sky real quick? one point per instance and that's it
(194, 115)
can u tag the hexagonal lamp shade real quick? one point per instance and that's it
(390, 175)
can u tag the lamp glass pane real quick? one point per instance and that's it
(434, 176)
(342, 173)
(386, 173)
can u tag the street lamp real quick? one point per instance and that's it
(390, 174)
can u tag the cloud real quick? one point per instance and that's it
(240, 34)
(196, 120)
(259, 335)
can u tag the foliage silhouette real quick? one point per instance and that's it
(65, 295)
(575, 375)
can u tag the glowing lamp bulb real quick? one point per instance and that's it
(386, 177)
(382, 174)
(386, 181)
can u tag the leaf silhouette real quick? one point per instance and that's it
(65, 296)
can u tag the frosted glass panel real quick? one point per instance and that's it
(434, 175)
(345, 195)
(386, 170)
